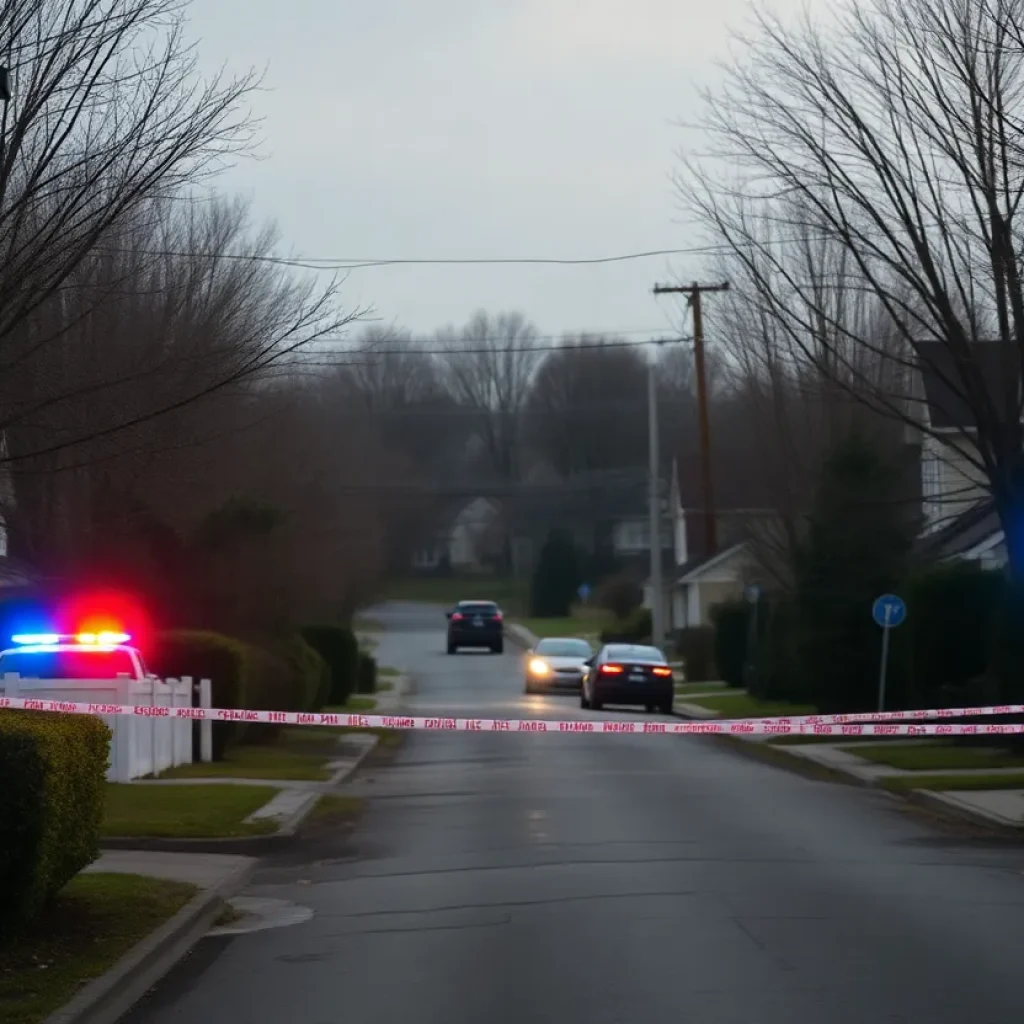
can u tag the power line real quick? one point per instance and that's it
(362, 263)
(458, 349)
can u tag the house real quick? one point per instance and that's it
(694, 579)
(960, 520)
(605, 512)
(469, 541)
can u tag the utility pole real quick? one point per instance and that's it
(654, 497)
(694, 292)
(654, 491)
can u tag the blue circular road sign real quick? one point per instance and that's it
(889, 610)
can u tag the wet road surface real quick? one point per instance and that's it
(587, 879)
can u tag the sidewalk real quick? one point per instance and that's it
(206, 871)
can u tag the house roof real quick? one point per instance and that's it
(696, 567)
(961, 534)
(943, 380)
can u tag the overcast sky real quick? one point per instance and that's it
(423, 129)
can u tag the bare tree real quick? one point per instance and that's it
(588, 406)
(892, 140)
(151, 357)
(488, 367)
(110, 120)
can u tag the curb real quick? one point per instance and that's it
(520, 635)
(107, 998)
(939, 803)
(936, 803)
(779, 757)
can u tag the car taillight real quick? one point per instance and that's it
(497, 616)
(457, 617)
(661, 670)
(611, 670)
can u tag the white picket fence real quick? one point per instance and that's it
(139, 745)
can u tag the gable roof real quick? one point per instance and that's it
(961, 534)
(696, 567)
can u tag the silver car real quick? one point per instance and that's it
(557, 663)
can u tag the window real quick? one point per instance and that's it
(635, 654)
(931, 475)
(633, 535)
(564, 648)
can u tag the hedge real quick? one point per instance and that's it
(635, 629)
(290, 676)
(732, 624)
(339, 648)
(366, 679)
(696, 649)
(309, 685)
(206, 655)
(51, 806)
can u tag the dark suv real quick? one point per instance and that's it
(475, 624)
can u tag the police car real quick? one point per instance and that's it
(89, 655)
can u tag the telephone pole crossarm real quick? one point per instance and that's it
(693, 292)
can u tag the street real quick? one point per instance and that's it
(610, 880)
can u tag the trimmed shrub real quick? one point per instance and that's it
(366, 678)
(207, 655)
(51, 806)
(732, 624)
(339, 648)
(309, 685)
(947, 641)
(696, 649)
(556, 578)
(620, 595)
(636, 629)
(778, 671)
(242, 676)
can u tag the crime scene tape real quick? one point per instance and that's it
(888, 723)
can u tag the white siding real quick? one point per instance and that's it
(950, 483)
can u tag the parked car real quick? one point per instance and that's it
(628, 674)
(557, 662)
(476, 624)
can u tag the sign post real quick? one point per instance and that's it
(888, 611)
(752, 592)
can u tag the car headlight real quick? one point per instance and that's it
(538, 667)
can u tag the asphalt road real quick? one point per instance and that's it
(579, 879)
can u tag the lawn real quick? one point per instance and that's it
(288, 758)
(804, 739)
(92, 923)
(742, 705)
(387, 672)
(510, 594)
(696, 689)
(946, 783)
(364, 624)
(357, 703)
(185, 812)
(586, 626)
(937, 756)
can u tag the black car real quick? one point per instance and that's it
(476, 624)
(628, 674)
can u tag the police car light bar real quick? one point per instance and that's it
(102, 639)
